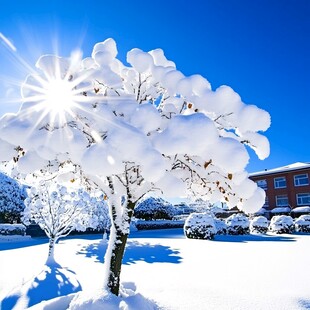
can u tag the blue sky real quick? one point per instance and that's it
(260, 48)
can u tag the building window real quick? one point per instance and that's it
(282, 201)
(303, 199)
(266, 204)
(280, 182)
(262, 184)
(301, 179)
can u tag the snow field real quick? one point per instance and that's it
(232, 272)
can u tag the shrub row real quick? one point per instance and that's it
(159, 224)
(12, 229)
(205, 226)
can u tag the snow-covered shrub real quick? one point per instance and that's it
(259, 225)
(12, 195)
(12, 229)
(200, 226)
(302, 224)
(238, 224)
(282, 224)
(154, 209)
(221, 227)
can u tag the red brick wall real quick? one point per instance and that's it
(291, 190)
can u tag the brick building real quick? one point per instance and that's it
(287, 189)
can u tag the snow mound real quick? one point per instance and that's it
(129, 300)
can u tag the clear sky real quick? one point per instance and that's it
(261, 48)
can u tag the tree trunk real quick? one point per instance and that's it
(51, 247)
(116, 249)
(115, 264)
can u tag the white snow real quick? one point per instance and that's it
(304, 209)
(290, 167)
(261, 272)
(281, 210)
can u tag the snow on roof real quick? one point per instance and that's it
(291, 167)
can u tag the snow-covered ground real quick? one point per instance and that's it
(232, 272)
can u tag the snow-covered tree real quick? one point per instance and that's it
(154, 208)
(59, 210)
(12, 195)
(132, 130)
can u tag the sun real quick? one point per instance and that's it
(58, 92)
(59, 95)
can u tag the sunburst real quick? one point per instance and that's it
(56, 93)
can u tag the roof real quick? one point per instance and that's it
(291, 167)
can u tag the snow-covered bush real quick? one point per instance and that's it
(12, 229)
(12, 195)
(282, 224)
(154, 209)
(259, 225)
(238, 224)
(200, 226)
(220, 225)
(302, 224)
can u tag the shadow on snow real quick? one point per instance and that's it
(53, 281)
(10, 245)
(252, 237)
(171, 233)
(136, 251)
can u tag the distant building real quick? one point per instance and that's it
(287, 189)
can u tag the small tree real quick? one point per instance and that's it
(58, 211)
(12, 195)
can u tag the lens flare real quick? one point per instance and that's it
(59, 95)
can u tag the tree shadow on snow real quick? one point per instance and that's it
(136, 251)
(252, 237)
(10, 245)
(174, 233)
(53, 281)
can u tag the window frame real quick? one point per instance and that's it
(302, 203)
(299, 175)
(265, 186)
(282, 205)
(275, 182)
